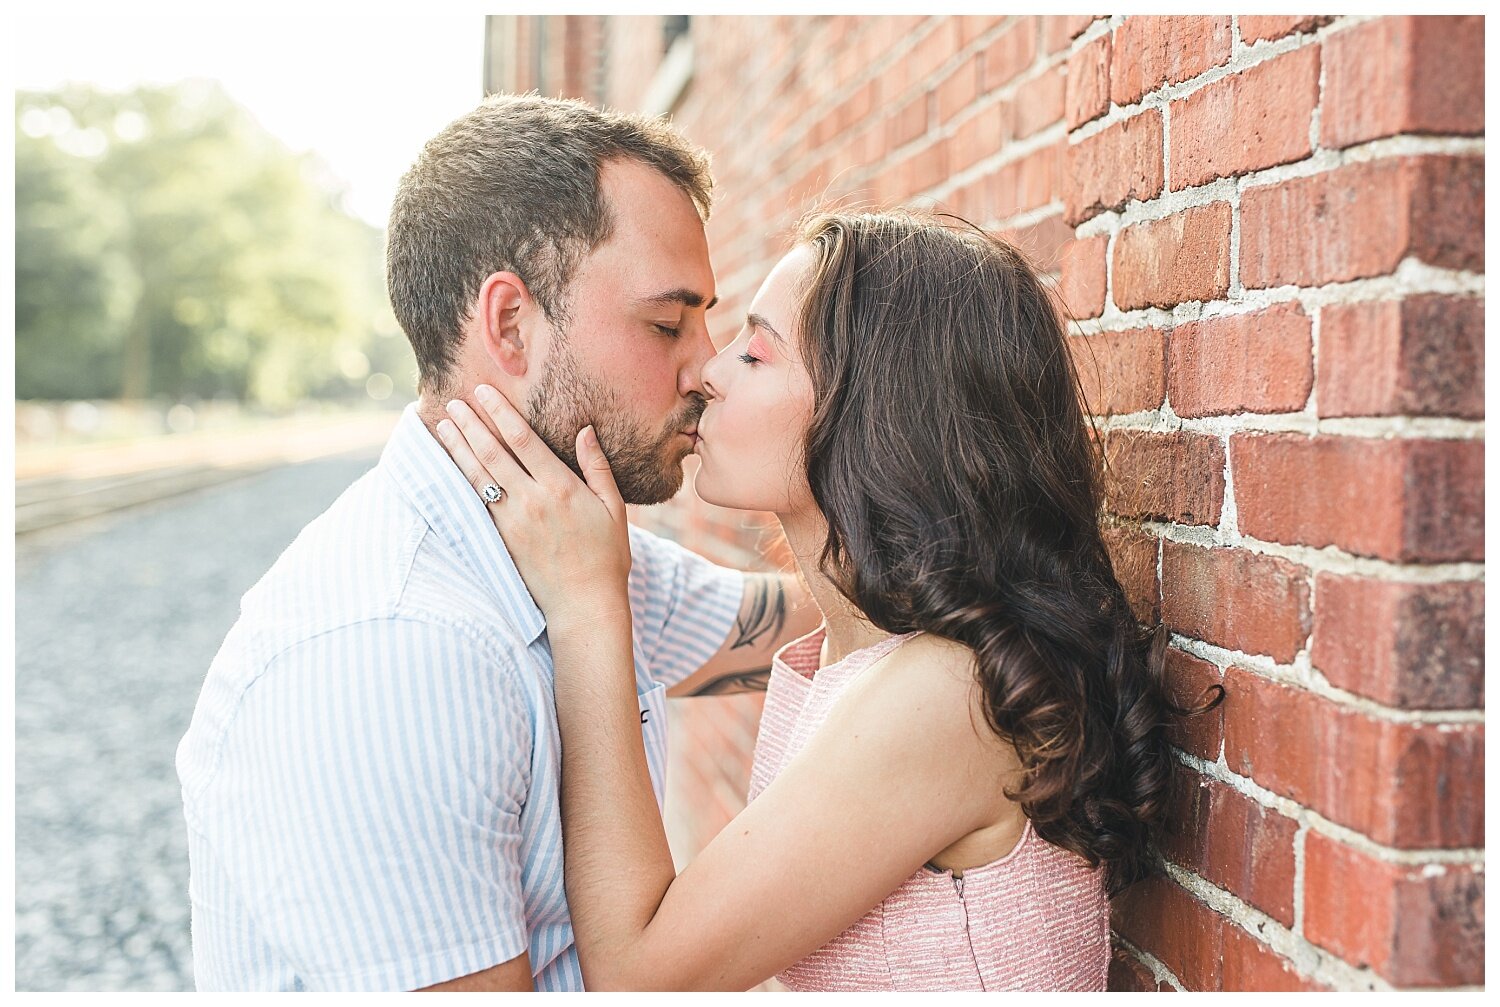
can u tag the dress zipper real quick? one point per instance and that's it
(958, 886)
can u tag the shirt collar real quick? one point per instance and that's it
(422, 472)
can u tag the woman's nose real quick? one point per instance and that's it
(711, 387)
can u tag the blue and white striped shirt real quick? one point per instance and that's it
(370, 778)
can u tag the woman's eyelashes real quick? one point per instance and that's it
(754, 352)
(665, 330)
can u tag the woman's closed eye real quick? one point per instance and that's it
(665, 330)
(755, 351)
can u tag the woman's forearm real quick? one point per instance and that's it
(618, 864)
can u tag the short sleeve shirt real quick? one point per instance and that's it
(370, 778)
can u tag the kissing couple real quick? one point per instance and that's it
(430, 752)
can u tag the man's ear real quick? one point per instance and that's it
(503, 306)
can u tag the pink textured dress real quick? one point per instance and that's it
(1036, 919)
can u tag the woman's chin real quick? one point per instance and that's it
(694, 466)
(703, 485)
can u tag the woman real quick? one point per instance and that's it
(957, 767)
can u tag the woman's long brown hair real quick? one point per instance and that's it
(950, 454)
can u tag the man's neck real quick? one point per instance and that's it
(433, 409)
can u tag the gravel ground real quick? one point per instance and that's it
(117, 620)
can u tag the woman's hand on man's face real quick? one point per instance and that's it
(569, 539)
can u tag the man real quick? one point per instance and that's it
(370, 777)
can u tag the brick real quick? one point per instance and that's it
(864, 145)
(1120, 372)
(1182, 836)
(1362, 220)
(1038, 104)
(969, 202)
(1043, 242)
(907, 123)
(856, 109)
(913, 70)
(1250, 966)
(811, 185)
(1184, 257)
(1153, 50)
(1246, 121)
(1030, 182)
(957, 91)
(1060, 29)
(1418, 646)
(1128, 975)
(824, 130)
(1005, 113)
(1249, 851)
(1423, 356)
(1083, 277)
(968, 27)
(1226, 838)
(1185, 935)
(1258, 363)
(978, 138)
(925, 169)
(1005, 58)
(847, 114)
(1236, 599)
(1190, 682)
(1087, 94)
(1448, 211)
(1267, 27)
(1132, 554)
(1114, 166)
(1411, 786)
(1165, 476)
(1409, 501)
(1428, 74)
(880, 35)
(1413, 925)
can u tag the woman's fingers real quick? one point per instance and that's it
(482, 459)
(597, 473)
(532, 451)
(458, 450)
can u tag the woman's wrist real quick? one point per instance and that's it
(590, 610)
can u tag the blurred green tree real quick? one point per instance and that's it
(167, 246)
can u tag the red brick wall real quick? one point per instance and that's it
(1270, 233)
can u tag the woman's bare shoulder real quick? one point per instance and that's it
(937, 679)
(930, 686)
(930, 664)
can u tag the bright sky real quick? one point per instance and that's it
(362, 90)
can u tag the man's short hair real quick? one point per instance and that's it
(514, 186)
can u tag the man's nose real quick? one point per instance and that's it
(691, 380)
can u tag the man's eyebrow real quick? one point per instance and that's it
(759, 321)
(679, 295)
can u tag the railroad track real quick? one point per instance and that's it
(48, 502)
(61, 488)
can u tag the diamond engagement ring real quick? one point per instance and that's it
(492, 493)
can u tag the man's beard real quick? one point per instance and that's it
(647, 470)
